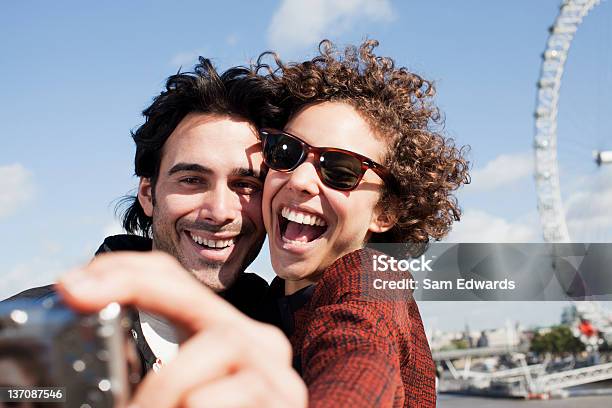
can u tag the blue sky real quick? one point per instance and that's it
(75, 77)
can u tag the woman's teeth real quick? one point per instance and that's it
(297, 227)
(212, 243)
(302, 218)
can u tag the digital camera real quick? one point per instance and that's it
(84, 360)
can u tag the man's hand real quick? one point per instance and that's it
(229, 360)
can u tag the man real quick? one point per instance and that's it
(199, 200)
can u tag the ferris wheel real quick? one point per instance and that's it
(546, 149)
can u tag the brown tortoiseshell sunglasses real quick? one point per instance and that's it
(337, 168)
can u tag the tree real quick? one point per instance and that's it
(559, 340)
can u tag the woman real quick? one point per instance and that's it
(384, 176)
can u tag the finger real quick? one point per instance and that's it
(151, 281)
(248, 388)
(241, 390)
(288, 386)
(217, 352)
(205, 357)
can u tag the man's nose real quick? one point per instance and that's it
(220, 205)
(305, 179)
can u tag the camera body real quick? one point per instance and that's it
(89, 356)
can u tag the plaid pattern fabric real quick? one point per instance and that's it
(361, 353)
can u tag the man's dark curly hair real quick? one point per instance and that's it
(237, 92)
(399, 107)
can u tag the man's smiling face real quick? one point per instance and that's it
(206, 201)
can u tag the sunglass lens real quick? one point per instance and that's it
(340, 170)
(281, 152)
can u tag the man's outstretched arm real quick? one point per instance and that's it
(228, 359)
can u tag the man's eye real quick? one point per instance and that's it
(190, 180)
(246, 187)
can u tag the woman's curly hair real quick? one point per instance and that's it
(399, 107)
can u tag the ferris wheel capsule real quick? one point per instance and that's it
(604, 157)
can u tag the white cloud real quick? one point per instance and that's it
(16, 188)
(113, 228)
(51, 247)
(297, 23)
(231, 40)
(37, 271)
(503, 170)
(588, 207)
(186, 59)
(53, 258)
(480, 226)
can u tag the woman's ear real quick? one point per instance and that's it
(382, 220)
(145, 195)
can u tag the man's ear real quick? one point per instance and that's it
(145, 195)
(382, 220)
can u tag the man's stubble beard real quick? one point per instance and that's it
(206, 272)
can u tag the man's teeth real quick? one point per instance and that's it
(213, 243)
(302, 218)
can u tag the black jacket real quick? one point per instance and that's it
(246, 294)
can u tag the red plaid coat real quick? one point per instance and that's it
(354, 352)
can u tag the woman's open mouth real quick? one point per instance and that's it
(298, 227)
